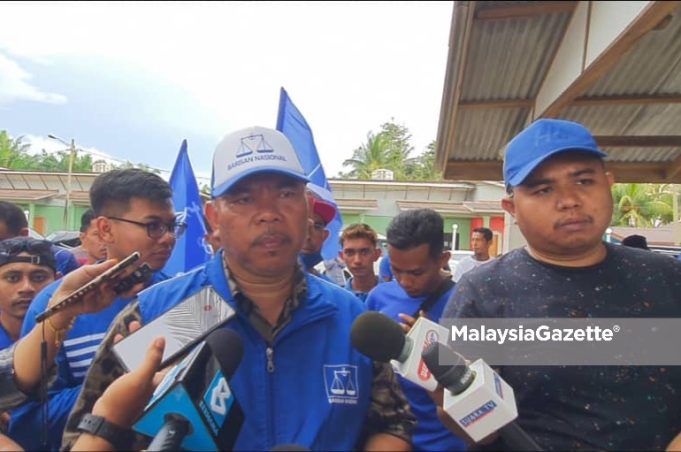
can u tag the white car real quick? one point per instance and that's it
(456, 257)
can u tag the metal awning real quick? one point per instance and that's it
(26, 195)
(613, 66)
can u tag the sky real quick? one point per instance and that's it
(132, 80)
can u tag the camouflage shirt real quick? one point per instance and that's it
(389, 411)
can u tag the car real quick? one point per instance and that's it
(456, 256)
(66, 239)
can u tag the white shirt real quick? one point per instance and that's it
(466, 264)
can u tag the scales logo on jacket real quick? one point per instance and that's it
(341, 383)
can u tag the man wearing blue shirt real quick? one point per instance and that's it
(416, 251)
(300, 381)
(359, 252)
(134, 212)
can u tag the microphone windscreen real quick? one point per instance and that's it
(227, 348)
(452, 376)
(377, 336)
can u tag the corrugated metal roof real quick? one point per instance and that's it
(508, 58)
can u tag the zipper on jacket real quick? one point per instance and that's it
(270, 359)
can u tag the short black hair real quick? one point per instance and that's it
(86, 219)
(636, 241)
(13, 217)
(112, 191)
(414, 228)
(487, 233)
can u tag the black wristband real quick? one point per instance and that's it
(119, 437)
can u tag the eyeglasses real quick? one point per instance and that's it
(157, 229)
(40, 251)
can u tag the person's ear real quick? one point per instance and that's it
(610, 177)
(104, 229)
(377, 254)
(444, 259)
(326, 234)
(23, 232)
(210, 210)
(508, 204)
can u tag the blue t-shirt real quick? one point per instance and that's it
(5, 340)
(361, 295)
(384, 269)
(390, 299)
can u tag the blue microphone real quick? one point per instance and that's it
(193, 408)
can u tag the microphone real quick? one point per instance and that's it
(193, 407)
(382, 339)
(477, 398)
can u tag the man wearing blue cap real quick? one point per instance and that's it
(300, 381)
(559, 194)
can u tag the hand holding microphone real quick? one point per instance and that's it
(382, 339)
(476, 398)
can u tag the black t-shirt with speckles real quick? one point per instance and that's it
(584, 407)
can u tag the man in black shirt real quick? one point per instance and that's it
(559, 194)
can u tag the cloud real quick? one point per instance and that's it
(15, 85)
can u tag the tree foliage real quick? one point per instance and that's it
(642, 205)
(391, 149)
(14, 155)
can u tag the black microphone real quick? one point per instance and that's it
(382, 339)
(477, 398)
(193, 408)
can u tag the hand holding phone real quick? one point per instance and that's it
(87, 279)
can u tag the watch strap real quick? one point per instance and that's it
(119, 437)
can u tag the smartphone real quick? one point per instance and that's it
(89, 287)
(183, 326)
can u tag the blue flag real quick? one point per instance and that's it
(191, 249)
(292, 124)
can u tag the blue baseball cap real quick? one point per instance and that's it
(543, 139)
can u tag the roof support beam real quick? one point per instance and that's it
(639, 141)
(524, 10)
(658, 173)
(626, 100)
(487, 104)
(598, 35)
(459, 37)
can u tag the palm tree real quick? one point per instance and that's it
(13, 152)
(641, 205)
(370, 156)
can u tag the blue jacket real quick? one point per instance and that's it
(390, 299)
(73, 360)
(318, 391)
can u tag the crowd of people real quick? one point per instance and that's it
(63, 387)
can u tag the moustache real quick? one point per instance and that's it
(267, 236)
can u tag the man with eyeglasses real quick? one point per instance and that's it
(359, 252)
(134, 212)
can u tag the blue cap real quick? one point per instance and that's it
(543, 139)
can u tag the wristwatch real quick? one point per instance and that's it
(119, 437)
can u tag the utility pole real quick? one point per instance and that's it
(72, 156)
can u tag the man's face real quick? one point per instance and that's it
(19, 284)
(415, 270)
(564, 206)
(262, 223)
(123, 238)
(479, 245)
(316, 235)
(359, 255)
(91, 242)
